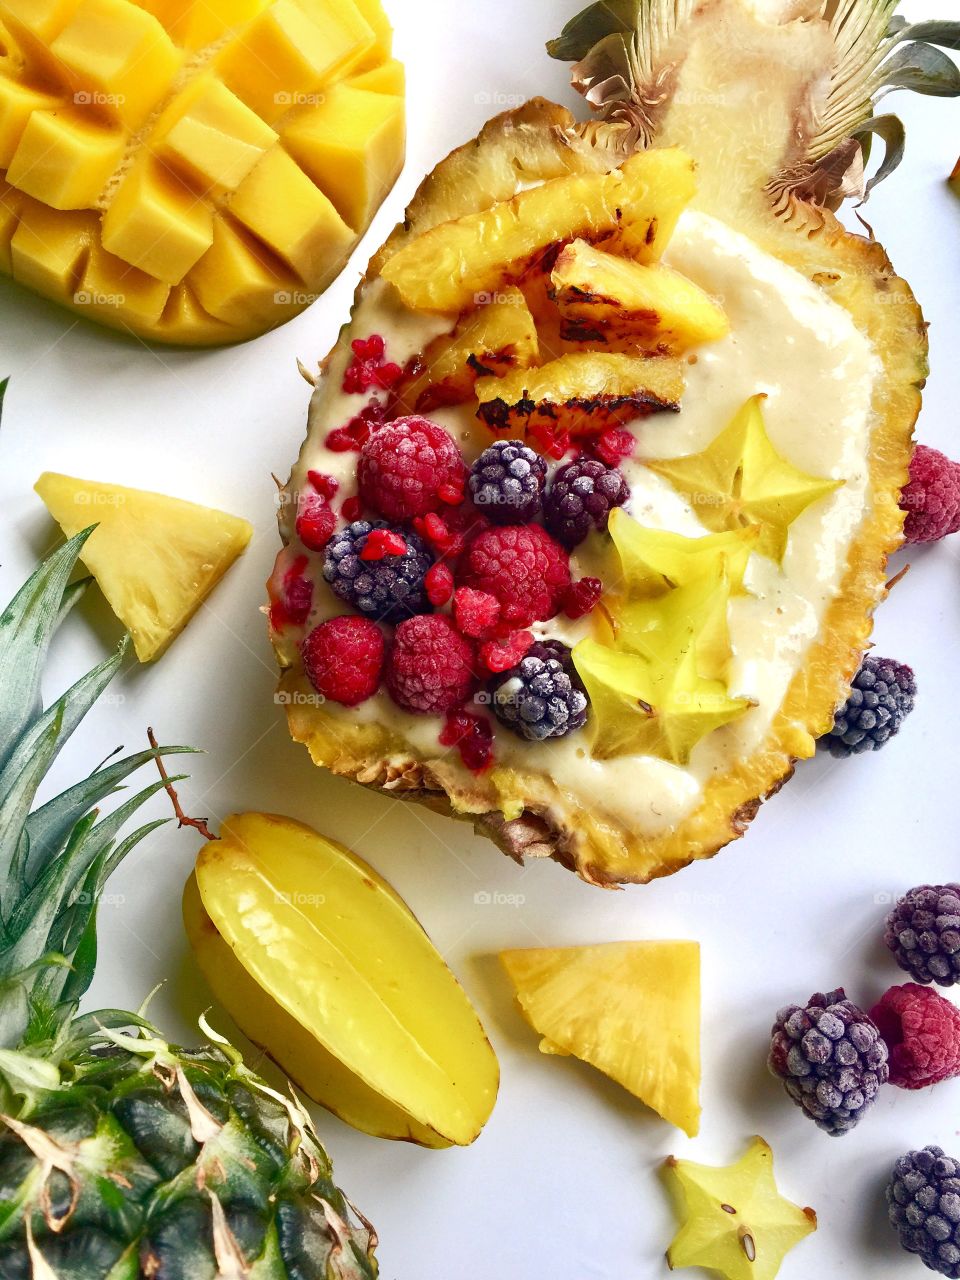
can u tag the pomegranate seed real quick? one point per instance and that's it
(382, 542)
(351, 509)
(439, 584)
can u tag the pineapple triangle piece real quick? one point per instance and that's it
(630, 1009)
(155, 558)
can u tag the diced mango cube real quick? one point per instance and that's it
(208, 131)
(119, 293)
(64, 160)
(11, 203)
(195, 23)
(120, 56)
(236, 280)
(48, 247)
(156, 224)
(279, 203)
(43, 18)
(372, 13)
(184, 319)
(388, 78)
(18, 102)
(351, 145)
(284, 56)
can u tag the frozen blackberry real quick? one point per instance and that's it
(923, 932)
(581, 497)
(830, 1058)
(507, 482)
(542, 696)
(881, 697)
(388, 588)
(923, 1201)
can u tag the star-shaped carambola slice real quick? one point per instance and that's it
(694, 615)
(654, 559)
(740, 479)
(649, 708)
(736, 1221)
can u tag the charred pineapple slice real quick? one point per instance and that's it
(634, 207)
(194, 171)
(580, 394)
(489, 342)
(602, 296)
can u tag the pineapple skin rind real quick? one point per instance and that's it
(527, 815)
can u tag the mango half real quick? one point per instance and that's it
(322, 964)
(195, 171)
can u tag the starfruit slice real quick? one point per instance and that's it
(323, 965)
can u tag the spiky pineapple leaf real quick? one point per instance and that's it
(946, 34)
(891, 132)
(14, 808)
(921, 68)
(593, 24)
(72, 595)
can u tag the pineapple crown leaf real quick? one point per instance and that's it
(622, 65)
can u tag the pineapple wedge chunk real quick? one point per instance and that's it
(634, 208)
(602, 297)
(584, 393)
(492, 340)
(321, 963)
(156, 559)
(645, 1030)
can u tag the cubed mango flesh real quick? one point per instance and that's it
(141, 148)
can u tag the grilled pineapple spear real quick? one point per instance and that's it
(122, 1155)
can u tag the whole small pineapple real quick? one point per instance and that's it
(121, 1155)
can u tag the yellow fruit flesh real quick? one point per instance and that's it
(585, 393)
(492, 340)
(602, 296)
(330, 943)
(630, 1009)
(633, 208)
(155, 558)
(166, 121)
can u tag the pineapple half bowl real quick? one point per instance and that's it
(723, 144)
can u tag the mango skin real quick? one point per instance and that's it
(150, 174)
(321, 963)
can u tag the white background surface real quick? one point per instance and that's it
(562, 1183)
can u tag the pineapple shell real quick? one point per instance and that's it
(740, 96)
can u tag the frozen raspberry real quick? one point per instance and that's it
(325, 485)
(430, 667)
(343, 659)
(354, 434)
(831, 1059)
(404, 465)
(582, 597)
(581, 497)
(439, 584)
(504, 652)
(351, 509)
(923, 932)
(523, 567)
(316, 521)
(922, 1032)
(388, 588)
(613, 445)
(367, 369)
(475, 612)
(932, 497)
(552, 441)
(881, 697)
(507, 482)
(472, 736)
(381, 543)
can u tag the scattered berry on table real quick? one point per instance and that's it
(388, 589)
(504, 652)
(316, 521)
(923, 932)
(475, 612)
(831, 1059)
(881, 698)
(921, 1030)
(580, 498)
(430, 666)
(439, 584)
(582, 597)
(343, 659)
(923, 1202)
(472, 736)
(507, 482)
(542, 696)
(522, 566)
(931, 499)
(404, 465)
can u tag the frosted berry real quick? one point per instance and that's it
(505, 651)
(343, 659)
(542, 696)
(472, 736)
(523, 567)
(581, 497)
(507, 482)
(430, 666)
(387, 589)
(923, 932)
(582, 597)
(881, 697)
(404, 465)
(475, 612)
(922, 1033)
(923, 1204)
(316, 521)
(931, 499)
(439, 584)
